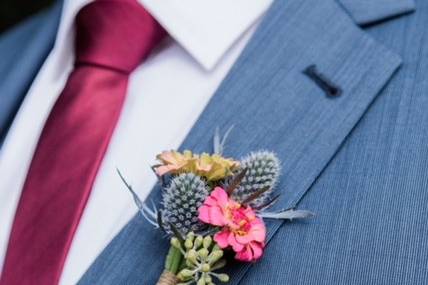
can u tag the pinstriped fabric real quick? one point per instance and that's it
(372, 199)
(369, 11)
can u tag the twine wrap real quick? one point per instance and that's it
(167, 278)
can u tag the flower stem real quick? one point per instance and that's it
(172, 266)
(169, 257)
(175, 260)
(167, 278)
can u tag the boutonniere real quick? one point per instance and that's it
(212, 205)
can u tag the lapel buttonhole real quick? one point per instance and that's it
(331, 89)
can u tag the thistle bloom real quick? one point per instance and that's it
(241, 228)
(213, 167)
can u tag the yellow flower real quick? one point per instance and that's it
(213, 167)
(172, 161)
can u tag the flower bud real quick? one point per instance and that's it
(207, 241)
(205, 267)
(198, 241)
(191, 236)
(208, 279)
(192, 256)
(188, 243)
(203, 253)
(219, 264)
(201, 281)
(185, 274)
(175, 242)
(223, 277)
(215, 256)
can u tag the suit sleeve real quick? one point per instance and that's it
(371, 11)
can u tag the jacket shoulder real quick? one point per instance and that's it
(23, 50)
(15, 41)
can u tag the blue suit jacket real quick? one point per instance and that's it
(359, 160)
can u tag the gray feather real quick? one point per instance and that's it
(287, 214)
(219, 143)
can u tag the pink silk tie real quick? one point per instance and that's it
(112, 38)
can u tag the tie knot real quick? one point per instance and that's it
(116, 34)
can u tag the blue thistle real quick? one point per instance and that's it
(263, 169)
(181, 200)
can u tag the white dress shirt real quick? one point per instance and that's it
(166, 95)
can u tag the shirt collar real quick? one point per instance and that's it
(205, 29)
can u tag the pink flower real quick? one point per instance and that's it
(241, 228)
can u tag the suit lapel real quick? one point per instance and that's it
(274, 106)
(23, 51)
(374, 11)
